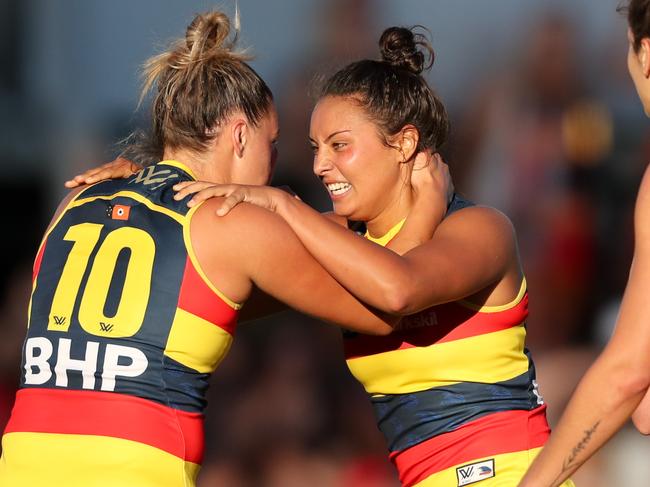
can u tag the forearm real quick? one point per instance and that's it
(367, 270)
(602, 403)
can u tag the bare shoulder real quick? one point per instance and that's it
(479, 220)
(232, 248)
(243, 224)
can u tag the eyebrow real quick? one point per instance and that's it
(332, 135)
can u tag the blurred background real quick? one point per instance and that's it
(546, 126)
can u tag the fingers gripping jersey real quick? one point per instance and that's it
(123, 333)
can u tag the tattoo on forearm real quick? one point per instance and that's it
(582, 444)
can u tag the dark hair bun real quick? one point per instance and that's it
(401, 47)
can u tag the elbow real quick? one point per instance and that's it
(397, 299)
(385, 330)
(397, 306)
(631, 382)
(641, 422)
(641, 416)
(634, 378)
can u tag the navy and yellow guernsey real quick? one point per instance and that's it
(124, 330)
(454, 391)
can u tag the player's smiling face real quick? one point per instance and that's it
(362, 175)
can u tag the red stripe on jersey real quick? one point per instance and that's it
(109, 414)
(504, 432)
(438, 324)
(197, 298)
(37, 261)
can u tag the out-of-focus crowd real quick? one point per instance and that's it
(557, 144)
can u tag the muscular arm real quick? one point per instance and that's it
(616, 383)
(259, 304)
(418, 228)
(464, 256)
(259, 247)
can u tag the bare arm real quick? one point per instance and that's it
(261, 248)
(615, 384)
(641, 416)
(119, 168)
(464, 256)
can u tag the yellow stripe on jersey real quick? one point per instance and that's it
(500, 355)
(179, 165)
(56, 460)
(197, 343)
(53, 224)
(197, 265)
(135, 196)
(496, 309)
(384, 239)
(509, 469)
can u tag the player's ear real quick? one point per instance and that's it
(644, 56)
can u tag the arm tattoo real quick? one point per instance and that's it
(582, 444)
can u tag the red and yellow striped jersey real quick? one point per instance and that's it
(124, 331)
(454, 383)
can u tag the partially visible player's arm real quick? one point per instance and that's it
(466, 254)
(262, 247)
(616, 383)
(119, 168)
(259, 304)
(641, 416)
(453, 265)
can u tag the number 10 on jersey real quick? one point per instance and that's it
(135, 290)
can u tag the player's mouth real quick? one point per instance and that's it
(338, 189)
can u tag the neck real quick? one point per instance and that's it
(396, 211)
(201, 164)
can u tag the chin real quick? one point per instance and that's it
(346, 211)
(342, 210)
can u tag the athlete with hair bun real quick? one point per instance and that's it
(136, 297)
(453, 388)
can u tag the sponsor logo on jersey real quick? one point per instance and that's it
(475, 472)
(538, 396)
(419, 320)
(150, 177)
(59, 320)
(114, 361)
